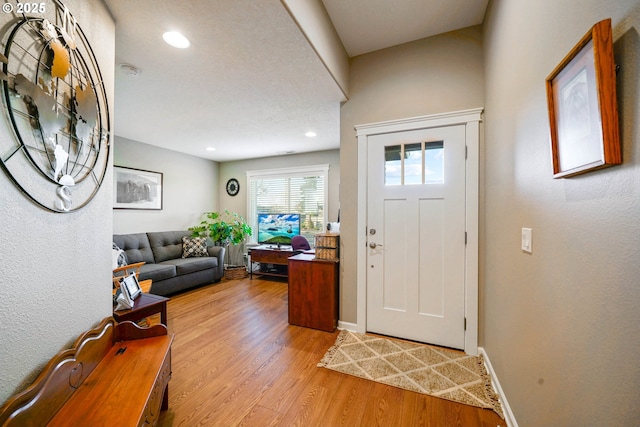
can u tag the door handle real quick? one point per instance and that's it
(374, 245)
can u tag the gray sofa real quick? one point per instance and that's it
(164, 265)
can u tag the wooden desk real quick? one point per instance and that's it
(265, 255)
(144, 306)
(313, 292)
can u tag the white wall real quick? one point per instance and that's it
(190, 187)
(434, 75)
(55, 269)
(561, 324)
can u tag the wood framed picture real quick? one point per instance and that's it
(131, 286)
(136, 189)
(583, 110)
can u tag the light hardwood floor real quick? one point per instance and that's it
(237, 362)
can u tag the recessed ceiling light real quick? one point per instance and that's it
(211, 149)
(176, 39)
(310, 134)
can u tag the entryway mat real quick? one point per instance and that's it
(436, 371)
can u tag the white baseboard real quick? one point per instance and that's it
(506, 409)
(351, 327)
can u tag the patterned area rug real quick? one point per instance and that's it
(435, 371)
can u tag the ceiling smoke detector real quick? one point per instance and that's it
(129, 70)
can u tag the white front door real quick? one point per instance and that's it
(416, 235)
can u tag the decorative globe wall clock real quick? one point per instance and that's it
(56, 105)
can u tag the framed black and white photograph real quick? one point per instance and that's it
(131, 286)
(136, 189)
(583, 112)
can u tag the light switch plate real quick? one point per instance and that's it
(527, 244)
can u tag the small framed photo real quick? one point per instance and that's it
(136, 189)
(131, 286)
(583, 110)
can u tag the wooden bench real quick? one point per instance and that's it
(114, 375)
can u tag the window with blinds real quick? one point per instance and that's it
(302, 190)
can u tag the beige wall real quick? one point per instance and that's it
(561, 324)
(55, 269)
(434, 75)
(190, 187)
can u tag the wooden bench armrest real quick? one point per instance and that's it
(128, 330)
(53, 390)
(36, 405)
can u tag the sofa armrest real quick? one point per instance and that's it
(218, 252)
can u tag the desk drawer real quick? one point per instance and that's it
(270, 257)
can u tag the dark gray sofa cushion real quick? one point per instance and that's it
(184, 282)
(157, 272)
(136, 246)
(166, 245)
(191, 265)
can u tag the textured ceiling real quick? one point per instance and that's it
(250, 85)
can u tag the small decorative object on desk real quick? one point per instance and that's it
(123, 301)
(327, 246)
(333, 227)
(131, 286)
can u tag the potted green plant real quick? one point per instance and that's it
(224, 229)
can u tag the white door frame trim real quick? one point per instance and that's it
(471, 119)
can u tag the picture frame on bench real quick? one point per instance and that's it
(131, 286)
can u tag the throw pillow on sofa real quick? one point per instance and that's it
(194, 247)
